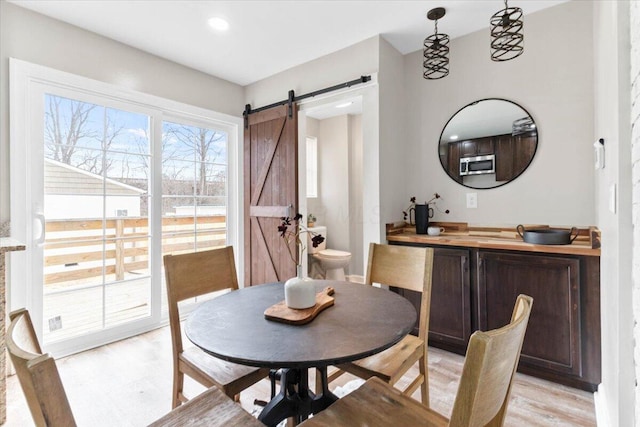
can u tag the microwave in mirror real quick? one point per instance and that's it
(488, 127)
(478, 165)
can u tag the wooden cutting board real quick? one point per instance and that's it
(281, 313)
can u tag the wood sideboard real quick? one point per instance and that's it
(476, 280)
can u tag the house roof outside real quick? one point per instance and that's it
(61, 178)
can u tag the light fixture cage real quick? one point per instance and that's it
(436, 50)
(507, 36)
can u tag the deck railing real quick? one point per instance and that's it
(77, 251)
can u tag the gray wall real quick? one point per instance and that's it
(343, 65)
(553, 80)
(32, 37)
(395, 142)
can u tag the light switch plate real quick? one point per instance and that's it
(612, 198)
(472, 200)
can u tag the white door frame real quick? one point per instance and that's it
(368, 92)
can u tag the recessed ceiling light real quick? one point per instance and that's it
(218, 24)
(453, 137)
(344, 104)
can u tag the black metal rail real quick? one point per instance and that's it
(292, 98)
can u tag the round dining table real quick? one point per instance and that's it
(364, 320)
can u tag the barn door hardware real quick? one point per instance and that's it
(292, 98)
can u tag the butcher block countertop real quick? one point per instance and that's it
(504, 238)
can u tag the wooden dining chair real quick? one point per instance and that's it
(483, 393)
(48, 403)
(192, 275)
(408, 268)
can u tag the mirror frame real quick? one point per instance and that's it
(498, 184)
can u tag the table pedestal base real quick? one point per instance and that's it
(295, 399)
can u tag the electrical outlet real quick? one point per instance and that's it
(472, 200)
(55, 323)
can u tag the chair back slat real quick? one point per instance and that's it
(37, 374)
(194, 274)
(490, 364)
(50, 392)
(406, 267)
(198, 273)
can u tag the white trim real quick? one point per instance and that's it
(38, 73)
(372, 228)
(602, 410)
(27, 79)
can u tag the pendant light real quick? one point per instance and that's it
(436, 49)
(507, 38)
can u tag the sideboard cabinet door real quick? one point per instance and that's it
(552, 341)
(450, 319)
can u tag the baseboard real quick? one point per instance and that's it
(602, 410)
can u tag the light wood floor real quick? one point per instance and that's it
(128, 383)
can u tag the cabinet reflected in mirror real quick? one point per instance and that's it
(488, 143)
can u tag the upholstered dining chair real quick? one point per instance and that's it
(48, 403)
(483, 393)
(191, 275)
(408, 268)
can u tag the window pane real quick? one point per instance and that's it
(194, 189)
(194, 165)
(97, 174)
(312, 167)
(178, 177)
(69, 125)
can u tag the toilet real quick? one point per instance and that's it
(326, 263)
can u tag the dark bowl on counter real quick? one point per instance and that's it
(547, 236)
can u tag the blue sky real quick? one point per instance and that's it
(129, 151)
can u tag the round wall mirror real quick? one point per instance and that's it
(488, 143)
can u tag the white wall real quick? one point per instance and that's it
(615, 397)
(35, 38)
(635, 158)
(333, 179)
(339, 206)
(553, 80)
(355, 195)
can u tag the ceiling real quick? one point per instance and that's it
(266, 37)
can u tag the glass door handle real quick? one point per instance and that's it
(40, 222)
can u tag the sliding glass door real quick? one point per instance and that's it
(96, 170)
(109, 186)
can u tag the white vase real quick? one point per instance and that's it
(299, 292)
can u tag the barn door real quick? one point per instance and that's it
(270, 192)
